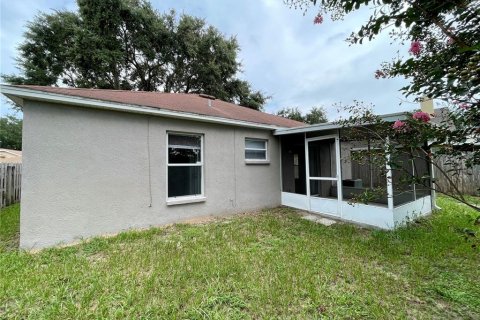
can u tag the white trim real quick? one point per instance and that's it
(307, 169)
(327, 137)
(433, 193)
(115, 106)
(256, 161)
(389, 177)
(332, 125)
(185, 200)
(295, 200)
(279, 140)
(324, 178)
(196, 164)
(189, 198)
(330, 136)
(339, 174)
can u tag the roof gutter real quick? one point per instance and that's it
(18, 94)
(332, 125)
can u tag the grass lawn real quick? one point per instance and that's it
(9, 227)
(267, 265)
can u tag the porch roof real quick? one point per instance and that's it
(391, 117)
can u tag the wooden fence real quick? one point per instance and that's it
(10, 183)
(467, 181)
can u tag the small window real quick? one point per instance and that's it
(255, 149)
(185, 166)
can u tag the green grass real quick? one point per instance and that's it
(9, 227)
(263, 266)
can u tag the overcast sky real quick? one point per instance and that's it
(283, 53)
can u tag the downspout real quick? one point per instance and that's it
(234, 200)
(149, 165)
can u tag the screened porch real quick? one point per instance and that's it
(323, 171)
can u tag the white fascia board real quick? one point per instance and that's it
(310, 128)
(332, 126)
(36, 95)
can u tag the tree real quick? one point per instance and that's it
(443, 62)
(126, 44)
(293, 113)
(11, 132)
(315, 115)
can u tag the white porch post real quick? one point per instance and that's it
(389, 179)
(307, 171)
(433, 193)
(339, 174)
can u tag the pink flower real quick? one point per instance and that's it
(399, 125)
(318, 19)
(380, 74)
(464, 106)
(421, 116)
(450, 41)
(415, 48)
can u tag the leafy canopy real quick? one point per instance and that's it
(315, 115)
(11, 132)
(443, 62)
(126, 44)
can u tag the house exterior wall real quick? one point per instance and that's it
(90, 172)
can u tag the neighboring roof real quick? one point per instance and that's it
(10, 156)
(333, 125)
(180, 105)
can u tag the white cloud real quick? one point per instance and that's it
(282, 52)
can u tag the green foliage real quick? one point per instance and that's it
(268, 265)
(11, 132)
(446, 64)
(315, 115)
(416, 140)
(126, 44)
(293, 113)
(443, 63)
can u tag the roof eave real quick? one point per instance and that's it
(16, 93)
(333, 126)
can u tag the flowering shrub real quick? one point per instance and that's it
(380, 74)
(415, 137)
(443, 64)
(415, 48)
(318, 19)
(399, 125)
(421, 116)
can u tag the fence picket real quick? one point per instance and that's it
(10, 183)
(466, 180)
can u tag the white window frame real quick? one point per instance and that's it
(258, 161)
(189, 198)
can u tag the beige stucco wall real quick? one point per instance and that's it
(86, 173)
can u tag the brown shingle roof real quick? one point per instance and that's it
(180, 102)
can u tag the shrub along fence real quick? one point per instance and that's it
(10, 183)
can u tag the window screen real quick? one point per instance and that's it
(185, 165)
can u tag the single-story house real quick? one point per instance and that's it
(101, 161)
